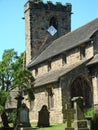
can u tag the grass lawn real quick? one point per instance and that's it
(52, 127)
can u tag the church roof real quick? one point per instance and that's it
(94, 60)
(53, 76)
(68, 41)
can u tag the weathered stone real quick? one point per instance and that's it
(23, 117)
(80, 123)
(38, 18)
(69, 115)
(43, 119)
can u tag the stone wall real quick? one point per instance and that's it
(37, 21)
(72, 57)
(89, 50)
(28, 36)
(67, 80)
(95, 37)
(42, 69)
(61, 91)
(41, 98)
(95, 91)
(56, 64)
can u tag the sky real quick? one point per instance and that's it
(12, 26)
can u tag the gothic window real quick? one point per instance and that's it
(50, 98)
(53, 22)
(82, 52)
(80, 87)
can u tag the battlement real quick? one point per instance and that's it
(39, 17)
(39, 4)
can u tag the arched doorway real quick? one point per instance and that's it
(81, 87)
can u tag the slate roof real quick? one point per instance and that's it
(53, 76)
(68, 41)
(94, 60)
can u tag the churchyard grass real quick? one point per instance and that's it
(52, 127)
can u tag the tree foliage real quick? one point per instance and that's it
(23, 78)
(14, 75)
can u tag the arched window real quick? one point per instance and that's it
(50, 98)
(81, 88)
(53, 22)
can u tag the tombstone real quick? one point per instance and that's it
(43, 117)
(80, 123)
(23, 117)
(69, 116)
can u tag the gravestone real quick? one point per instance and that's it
(43, 117)
(80, 123)
(69, 116)
(23, 118)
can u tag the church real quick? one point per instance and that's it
(64, 63)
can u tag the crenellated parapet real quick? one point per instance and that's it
(39, 18)
(39, 4)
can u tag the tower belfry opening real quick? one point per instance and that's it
(53, 22)
(39, 16)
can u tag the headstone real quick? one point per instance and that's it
(69, 116)
(80, 123)
(43, 117)
(23, 117)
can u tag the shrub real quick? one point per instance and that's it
(11, 117)
(90, 112)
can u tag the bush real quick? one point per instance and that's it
(11, 117)
(90, 112)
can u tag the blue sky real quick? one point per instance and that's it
(12, 26)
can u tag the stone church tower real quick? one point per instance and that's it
(44, 23)
(63, 63)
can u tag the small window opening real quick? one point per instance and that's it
(82, 53)
(53, 22)
(50, 98)
(49, 65)
(64, 59)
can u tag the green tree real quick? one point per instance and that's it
(13, 75)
